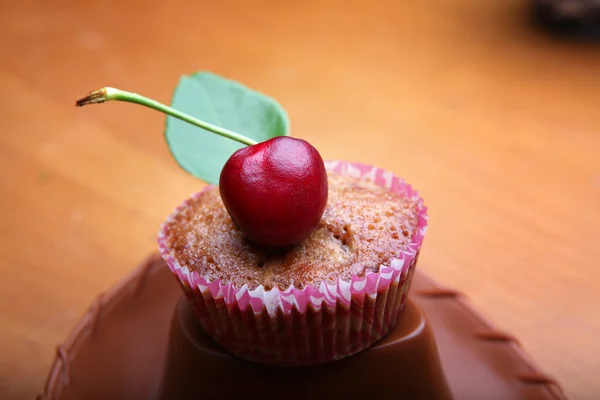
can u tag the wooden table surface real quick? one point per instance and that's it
(495, 124)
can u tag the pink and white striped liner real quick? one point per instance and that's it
(311, 325)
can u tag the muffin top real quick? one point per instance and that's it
(364, 226)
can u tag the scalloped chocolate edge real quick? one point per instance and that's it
(59, 375)
(531, 373)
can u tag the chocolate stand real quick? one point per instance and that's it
(140, 341)
(406, 358)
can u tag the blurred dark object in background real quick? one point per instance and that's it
(575, 19)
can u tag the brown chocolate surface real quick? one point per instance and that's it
(118, 349)
(385, 370)
(363, 227)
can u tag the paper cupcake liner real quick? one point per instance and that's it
(310, 325)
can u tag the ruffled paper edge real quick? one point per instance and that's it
(325, 294)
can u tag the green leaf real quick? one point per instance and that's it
(227, 104)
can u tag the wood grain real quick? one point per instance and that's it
(494, 123)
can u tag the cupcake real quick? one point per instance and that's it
(289, 260)
(332, 295)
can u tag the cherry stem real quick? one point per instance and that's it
(108, 94)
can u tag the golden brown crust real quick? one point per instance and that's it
(364, 226)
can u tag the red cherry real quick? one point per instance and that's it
(275, 191)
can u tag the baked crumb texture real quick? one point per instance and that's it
(364, 227)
